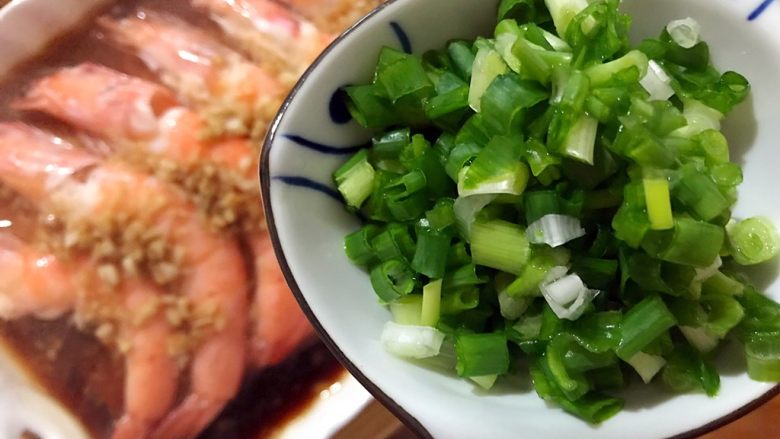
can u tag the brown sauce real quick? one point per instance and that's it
(74, 367)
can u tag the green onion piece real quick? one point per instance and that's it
(541, 203)
(520, 10)
(506, 101)
(406, 76)
(390, 144)
(721, 285)
(462, 58)
(646, 365)
(572, 384)
(369, 107)
(392, 279)
(693, 243)
(464, 276)
(539, 158)
(595, 273)
(541, 260)
(456, 300)
(407, 310)
(393, 243)
(355, 179)
(642, 324)
(602, 73)
(659, 205)
(499, 244)
(442, 215)
(447, 103)
(701, 195)
(598, 332)
(458, 255)
(430, 256)
(357, 245)
(431, 303)
(538, 63)
(481, 354)
(763, 357)
(593, 407)
(753, 241)
(406, 199)
(487, 66)
(581, 140)
(485, 381)
(607, 378)
(563, 11)
(496, 170)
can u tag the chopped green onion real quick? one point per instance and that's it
(763, 357)
(659, 206)
(642, 324)
(407, 310)
(355, 179)
(411, 341)
(392, 279)
(481, 354)
(647, 366)
(499, 244)
(554, 230)
(685, 32)
(487, 66)
(753, 241)
(431, 303)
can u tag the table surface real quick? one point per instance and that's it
(376, 422)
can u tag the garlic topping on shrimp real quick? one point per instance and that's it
(279, 326)
(235, 97)
(107, 198)
(270, 33)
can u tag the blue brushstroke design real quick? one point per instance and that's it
(309, 184)
(337, 107)
(406, 45)
(320, 147)
(759, 10)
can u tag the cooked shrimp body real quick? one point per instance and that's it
(43, 285)
(279, 324)
(235, 96)
(211, 273)
(32, 283)
(269, 32)
(332, 15)
(129, 107)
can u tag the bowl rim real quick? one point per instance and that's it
(405, 417)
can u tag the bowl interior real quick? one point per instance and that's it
(312, 137)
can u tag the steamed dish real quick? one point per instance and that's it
(554, 201)
(131, 212)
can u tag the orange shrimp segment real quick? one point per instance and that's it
(31, 283)
(211, 273)
(44, 285)
(128, 107)
(279, 324)
(269, 32)
(235, 96)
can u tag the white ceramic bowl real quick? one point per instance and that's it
(312, 136)
(27, 27)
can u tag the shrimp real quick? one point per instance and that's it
(332, 15)
(209, 270)
(200, 69)
(279, 325)
(268, 32)
(45, 286)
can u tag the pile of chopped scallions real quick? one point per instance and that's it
(555, 199)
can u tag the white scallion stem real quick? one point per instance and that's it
(657, 82)
(411, 341)
(554, 230)
(646, 365)
(685, 32)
